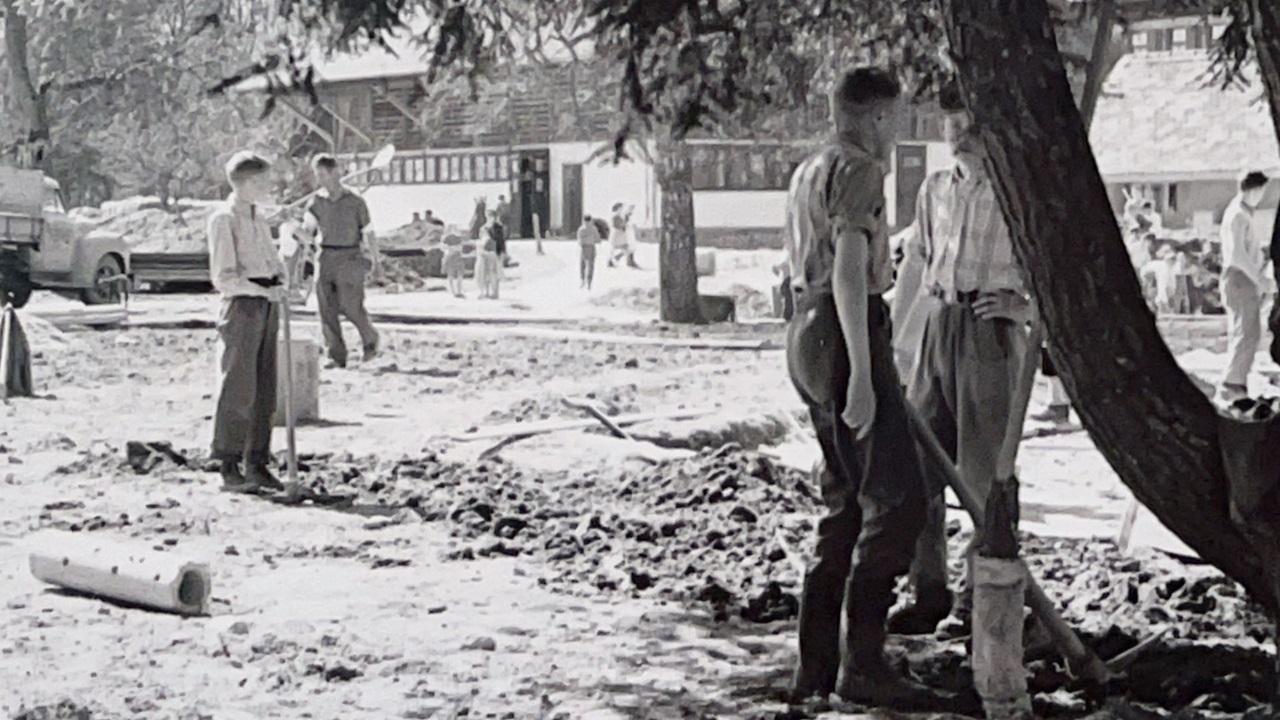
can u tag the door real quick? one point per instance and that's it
(57, 243)
(534, 190)
(571, 198)
(910, 171)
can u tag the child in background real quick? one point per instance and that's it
(454, 265)
(488, 267)
(1163, 271)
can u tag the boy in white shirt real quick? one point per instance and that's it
(247, 270)
(1242, 285)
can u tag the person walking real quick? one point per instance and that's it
(840, 359)
(249, 274)
(588, 239)
(1243, 269)
(620, 239)
(970, 356)
(343, 221)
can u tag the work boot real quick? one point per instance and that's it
(876, 684)
(260, 475)
(1054, 414)
(233, 480)
(335, 364)
(932, 606)
(371, 351)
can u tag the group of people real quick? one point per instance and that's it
(967, 294)
(491, 253)
(249, 273)
(949, 351)
(618, 230)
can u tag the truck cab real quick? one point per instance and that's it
(42, 247)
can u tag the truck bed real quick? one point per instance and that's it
(20, 229)
(170, 267)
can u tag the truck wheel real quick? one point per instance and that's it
(106, 286)
(16, 297)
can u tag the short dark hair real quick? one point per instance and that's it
(950, 99)
(864, 86)
(586, 218)
(1253, 180)
(324, 160)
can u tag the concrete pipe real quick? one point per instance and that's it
(125, 573)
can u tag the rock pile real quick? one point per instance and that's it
(149, 228)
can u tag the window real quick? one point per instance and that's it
(466, 167)
(397, 171)
(431, 169)
(53, 200)
(703, 175)
(1140, 41)
(759, 177)
(455, 169)
(503, 166)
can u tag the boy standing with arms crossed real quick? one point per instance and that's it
(248, 272)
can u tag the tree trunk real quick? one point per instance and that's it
(677, 252)
(1154, 427)
(1266, 44)
(31, 103)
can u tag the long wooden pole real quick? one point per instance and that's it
(1083, 660)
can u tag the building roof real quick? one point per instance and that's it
(405, 55)
(1161, 116)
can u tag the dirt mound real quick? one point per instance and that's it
(398, 274)
(751, 303)
(719, 529)
(149, 228)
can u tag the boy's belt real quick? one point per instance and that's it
(339, 247)
(955, 297)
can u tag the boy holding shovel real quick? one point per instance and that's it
(248, 272)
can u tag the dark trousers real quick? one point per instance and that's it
(963, 387)
(874, 492)
(339, 292)
(1274, 321)
(247, 328)
(587, 264)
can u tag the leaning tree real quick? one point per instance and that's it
(1156, 429)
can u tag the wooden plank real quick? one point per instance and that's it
(305, 119)
(394, 102)
(348, 125)
(90, 317)
(612, 338)
(538, 428)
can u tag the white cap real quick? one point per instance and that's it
(242, 158)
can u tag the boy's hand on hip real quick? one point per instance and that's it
(1003, 305)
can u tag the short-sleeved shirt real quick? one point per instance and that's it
(840, 185)
(342, 219)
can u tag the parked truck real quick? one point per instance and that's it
(43, 248)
